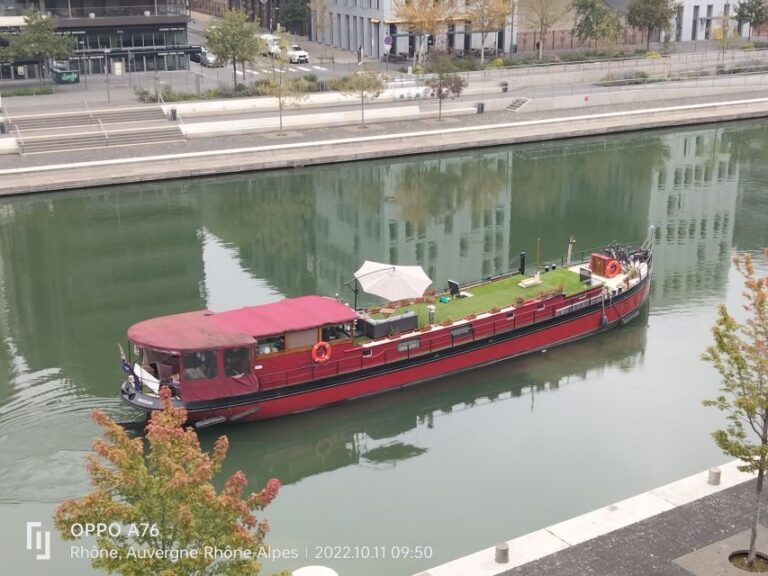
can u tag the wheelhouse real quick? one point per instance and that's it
(205, 355)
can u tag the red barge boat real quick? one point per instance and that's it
(304, 353)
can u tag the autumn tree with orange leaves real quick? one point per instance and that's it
(424, 18)
(159, 491)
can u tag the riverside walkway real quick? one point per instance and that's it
(685, 528)
(265, 151)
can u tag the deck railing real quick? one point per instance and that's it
(438, 339)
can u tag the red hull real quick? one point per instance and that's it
(568, 329)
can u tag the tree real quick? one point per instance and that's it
(294, 14)
(233, 39)
(650, 15)
(424, 19)
(488, 16)
(542, 15)
(366, 83)
(740, 355)
(595, 20)
(753, 12)
(723, 33)
(38, 41)
(286, 90)
(443, 79)
(162, 490)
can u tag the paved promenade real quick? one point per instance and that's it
(674, 530)
(252, 152)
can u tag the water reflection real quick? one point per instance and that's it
(369, 432)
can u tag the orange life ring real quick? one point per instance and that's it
(612, 269)
(321, 352)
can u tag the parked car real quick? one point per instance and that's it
(196, 56)
(207, 58)
(297, 56)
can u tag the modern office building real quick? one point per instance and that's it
(117, 36)
(352, 24)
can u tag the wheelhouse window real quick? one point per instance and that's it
(335, 332)
(236, 361)
(272, 344)
(199, 365)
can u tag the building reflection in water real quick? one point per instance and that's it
(693, 205)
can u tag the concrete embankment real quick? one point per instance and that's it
(47, 177)
(687, 523)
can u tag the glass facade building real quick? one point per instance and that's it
(114, 36)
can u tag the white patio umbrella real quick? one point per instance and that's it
(392, 282)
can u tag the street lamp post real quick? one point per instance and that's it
(106, 71)
(83, 61)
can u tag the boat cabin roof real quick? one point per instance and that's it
(205, 329)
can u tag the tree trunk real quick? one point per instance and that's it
(541, 44)
(362, 108)
(756, 520)
(40, 70)
(234, 74)
(648, 40)
(440, 105)
(482, 49)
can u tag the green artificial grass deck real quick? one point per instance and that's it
(497, 294)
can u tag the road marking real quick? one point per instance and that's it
(319, 68)
(253, 72)
(292, 69)
(303, 69)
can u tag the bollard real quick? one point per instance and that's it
(502, 553)
(431, 313)
(480, 106)
(504, 87)
(714, 477)
(174, 115)
(2, 127)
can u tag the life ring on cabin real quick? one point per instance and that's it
(612, 269)
(321, 352)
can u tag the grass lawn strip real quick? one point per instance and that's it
(497, 294)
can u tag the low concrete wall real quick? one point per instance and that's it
(8, 145)
(348, 118)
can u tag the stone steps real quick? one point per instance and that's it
(42, 144)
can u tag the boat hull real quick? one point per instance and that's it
(501, 346)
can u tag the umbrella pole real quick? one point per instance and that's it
(355, 291)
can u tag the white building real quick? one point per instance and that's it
(351, 24)
(697, 20)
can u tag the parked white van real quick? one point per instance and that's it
(272, 43)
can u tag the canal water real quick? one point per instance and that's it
(420, 476)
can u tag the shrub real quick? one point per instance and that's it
(418, 69)
(652, 54)
(748, 46)
(495, 63)
(628, 79)
(35, 91)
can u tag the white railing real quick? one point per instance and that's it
(104, 130)
(18, 135)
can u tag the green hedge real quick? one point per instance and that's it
(36, 91)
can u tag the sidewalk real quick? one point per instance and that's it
(686, 528)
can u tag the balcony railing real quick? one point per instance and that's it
(118, 11)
